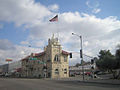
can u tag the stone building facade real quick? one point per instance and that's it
(51, 63)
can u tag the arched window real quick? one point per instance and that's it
(65, 59)
(56, 71)
(65, 71)
(56, 58)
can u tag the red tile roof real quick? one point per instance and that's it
(65, 52)
(39, 54)
(25, 58)
(42, 53)
(35, 54)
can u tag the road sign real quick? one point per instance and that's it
(41, 62)
(8, 60)
(31, 58)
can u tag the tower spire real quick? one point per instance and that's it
(53, 36)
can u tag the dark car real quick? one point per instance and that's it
(99, 72)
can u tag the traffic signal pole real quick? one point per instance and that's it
(81, 54)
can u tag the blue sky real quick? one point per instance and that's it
(26, 22)
(108, 7)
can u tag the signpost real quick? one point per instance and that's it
(8, 60)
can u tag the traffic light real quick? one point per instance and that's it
(70, 55)
(92, 61)
(81, 53)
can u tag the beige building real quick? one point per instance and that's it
(52, 62)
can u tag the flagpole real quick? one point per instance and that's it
(57, 29)
(55, 19)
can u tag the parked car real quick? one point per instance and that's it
(99, 72)
(2, 75)
(96, 72)
(88, 73)
(7, 75)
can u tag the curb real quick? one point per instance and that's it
(100, 82)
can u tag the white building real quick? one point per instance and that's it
(13, 67)
(78, 70)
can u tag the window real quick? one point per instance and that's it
(65, 71)
(49, 74)
(38, 69)
(48, 60)
(56, 58)
(56, 71)
(38, 61)
(65, 59)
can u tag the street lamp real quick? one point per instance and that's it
(81, 53)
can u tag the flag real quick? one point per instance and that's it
(54, 19)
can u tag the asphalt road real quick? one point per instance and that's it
(41, 84)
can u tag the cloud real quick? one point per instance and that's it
(6, 45)
(86, 43)
(1, 26)
(24, 42)
(96, 10)
(92, 29)
(22, 11)
(54, 7)
(97, 33)
(93, 4)
(16, 53)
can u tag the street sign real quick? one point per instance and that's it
(8, 60)
(31, 58)
(41, 62)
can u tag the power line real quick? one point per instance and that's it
(84, 55)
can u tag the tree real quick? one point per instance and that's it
(106, 61)
(117, 55)
(78, 64)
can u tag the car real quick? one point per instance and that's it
(87, 73)
(100, 73)
(7, 75)
(95, 72)
(2, 75)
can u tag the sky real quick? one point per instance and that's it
(26, 22)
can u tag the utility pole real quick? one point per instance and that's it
(81, 53)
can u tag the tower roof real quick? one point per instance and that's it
(53, 40)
